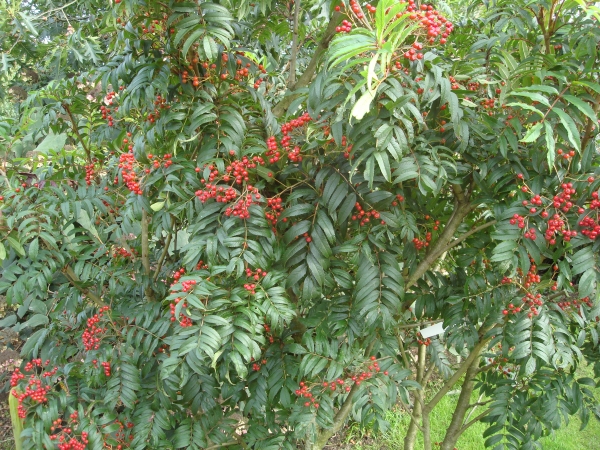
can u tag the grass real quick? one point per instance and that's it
(567, 438)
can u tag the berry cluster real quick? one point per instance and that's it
(34, 390)
(562, 200)
(130, 178)
(273, 151)
(575, 304)
(178, 274)
(187, 286)
(512, 309)
(159, 103)
(106, 367)
(517, 220)
(413, 54)
(184, 321)
(420, 243)
(363, 215)
(276, 206)
(105, 109)
(122, 252)
(268, 333)
(90, 336)
(342, 385)
(591, 227)
(532, 302)
(565, 155)
(90, 172)
(399, 199)
(241, 208)
(219, 193)
(156, 163)
(557, 226)
(425, 342)
(530, 234)
(239, 168)
(255, 275)
(500, 363)
(62, 434)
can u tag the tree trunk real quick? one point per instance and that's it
(454, 430)
(411, 435)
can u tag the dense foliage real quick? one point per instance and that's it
(223, 224)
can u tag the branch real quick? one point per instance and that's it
(294, 53)
(403, 351)
(164, 252)
(474, 420)
(460, 372)
(224, 444)
(70, 274)
(88, 154)
(590, 126)
(145, 243)
(461, 209)
(305, 78)
(338, 420)
(462, 237)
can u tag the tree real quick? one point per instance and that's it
(225, 225)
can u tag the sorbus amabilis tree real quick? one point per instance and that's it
(207, 250)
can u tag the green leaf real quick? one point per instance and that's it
(533, 133)
(582, 106)
(570, 126)
(16, 245)
(52, 142)
(363, 105)
(533, 96)
(2, 252)
(34, 247)
(384, 165)
(157, 206)
(37, 320)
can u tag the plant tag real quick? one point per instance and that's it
(433, 330)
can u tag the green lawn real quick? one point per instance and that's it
(568, 438)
